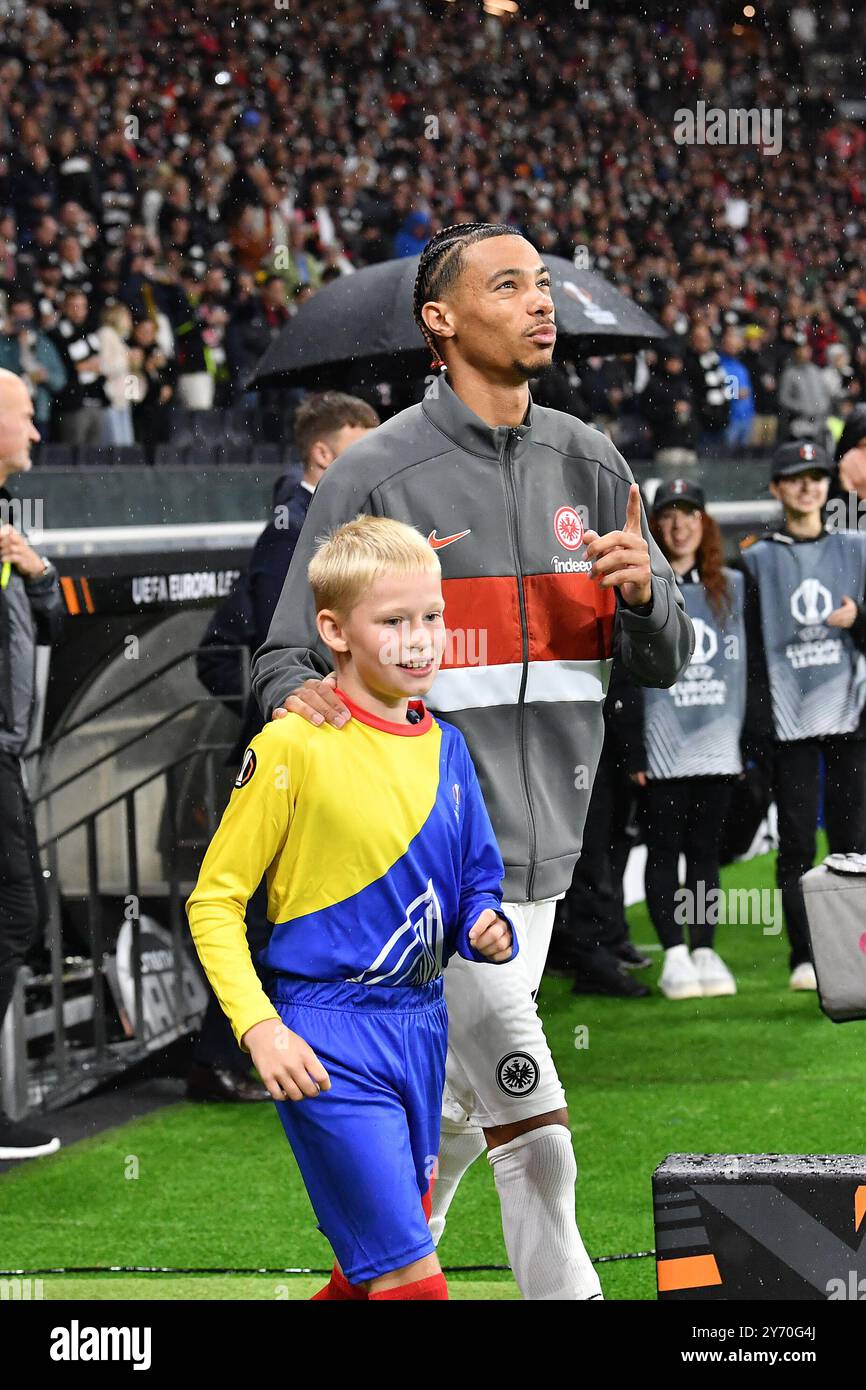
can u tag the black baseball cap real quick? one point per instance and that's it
(678, 490)
(795, 458)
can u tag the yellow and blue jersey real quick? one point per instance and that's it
(378, 851)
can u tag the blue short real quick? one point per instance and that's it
(367, 1148)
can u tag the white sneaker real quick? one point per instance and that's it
(715, 977)
(679, 978)
(803, 976)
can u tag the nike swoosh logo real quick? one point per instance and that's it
(446, 540)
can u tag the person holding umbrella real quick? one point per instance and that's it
(547, 565)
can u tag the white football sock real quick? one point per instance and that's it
(459, 1146)
(535, 1176)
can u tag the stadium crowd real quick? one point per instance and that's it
(173, 186)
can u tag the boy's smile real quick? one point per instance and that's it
(388, 650)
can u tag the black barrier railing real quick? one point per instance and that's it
(241, 653)
(154, 1006)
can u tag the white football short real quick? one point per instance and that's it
(499, 1068)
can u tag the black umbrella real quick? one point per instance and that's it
(362, 324)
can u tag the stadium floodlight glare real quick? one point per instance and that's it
(222, 78)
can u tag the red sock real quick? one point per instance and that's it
(432, 1287)
(339, 1290)
(427, 1200)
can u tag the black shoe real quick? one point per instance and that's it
(607, 976)
(218, 1083)
(631, 957)
(19, 1141)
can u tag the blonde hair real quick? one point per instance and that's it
(118, 317)
(349, 560)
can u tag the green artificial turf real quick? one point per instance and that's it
(215, 1186)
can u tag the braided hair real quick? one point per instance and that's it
(441, 264)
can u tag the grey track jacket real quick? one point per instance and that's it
(530, 634)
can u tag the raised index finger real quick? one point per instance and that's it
(632, 512)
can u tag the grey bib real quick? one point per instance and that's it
(693, 729)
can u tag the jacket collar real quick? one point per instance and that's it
(444, 408)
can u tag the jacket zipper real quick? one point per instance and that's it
(511, 510)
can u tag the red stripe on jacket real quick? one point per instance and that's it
(569, 618)
(482, 617)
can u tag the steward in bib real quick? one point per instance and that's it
(806, 638)
(684, 747)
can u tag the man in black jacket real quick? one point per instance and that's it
(81, 403)
(706, 377)
(667, 401)
(30, 613)
(256, 320)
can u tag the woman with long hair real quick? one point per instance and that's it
(685, 748)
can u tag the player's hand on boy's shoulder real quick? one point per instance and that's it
(287, 1065)
(315, 701)
(491, 936)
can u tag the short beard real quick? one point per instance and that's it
(534, 370)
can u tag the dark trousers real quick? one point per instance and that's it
(22, 892)
(683, 816)
(796, 786)
(591, 916)
(215, 1045)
